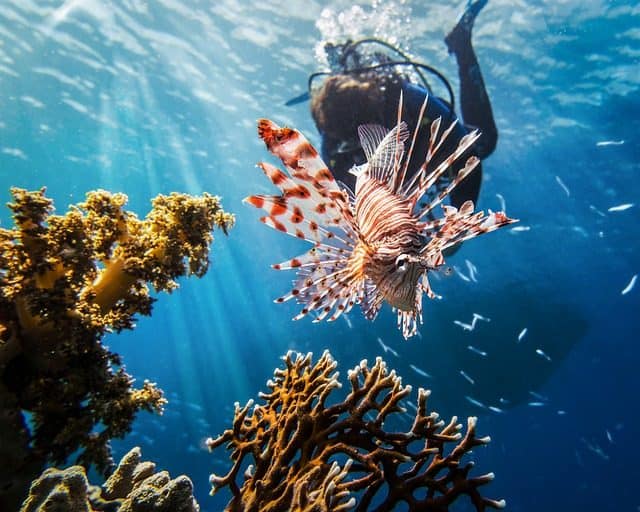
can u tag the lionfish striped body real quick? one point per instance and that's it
(373, 246)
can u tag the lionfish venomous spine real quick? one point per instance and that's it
(376, 244)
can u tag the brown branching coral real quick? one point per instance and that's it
(65, 281)
(133, 487)
(309, 456)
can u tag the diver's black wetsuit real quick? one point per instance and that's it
(476, 113)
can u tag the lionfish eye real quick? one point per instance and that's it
(401, 263)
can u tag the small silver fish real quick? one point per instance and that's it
(386, 348)
(602, 143)
(460, 274)
(541, 353)
(466, 327)
(595, 448)
(630, 286)
(472, 271)
(538, 396)
(477, 351)
(474, 320)
(522, 334)
(475, 402)
(466, 376)
(620, 207)
(564, 187)
(420, 371)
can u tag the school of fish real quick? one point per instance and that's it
(375, 244)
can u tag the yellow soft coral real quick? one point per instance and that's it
(102, 254)
(66, 280)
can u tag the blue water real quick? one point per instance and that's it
(153, 97)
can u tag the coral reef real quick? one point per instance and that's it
(133, 487)
(65, 281)
(306, 455)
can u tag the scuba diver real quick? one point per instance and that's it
(364, 88)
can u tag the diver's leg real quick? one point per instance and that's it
(474, 101)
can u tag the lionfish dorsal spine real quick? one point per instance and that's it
(427, 181)
(470, 165)
(423, 180)
(401, 174)
(398, 155)
(434, 129)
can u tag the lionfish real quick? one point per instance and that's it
(376, 244)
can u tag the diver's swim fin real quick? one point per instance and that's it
(305, 96)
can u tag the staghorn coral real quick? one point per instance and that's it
(309, 456)
(133, 487)
(65, 281)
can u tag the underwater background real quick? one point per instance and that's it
(149, 97)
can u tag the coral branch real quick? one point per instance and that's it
(133, 487)
(305, 455)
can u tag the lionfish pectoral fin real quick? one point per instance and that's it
(371, 301)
